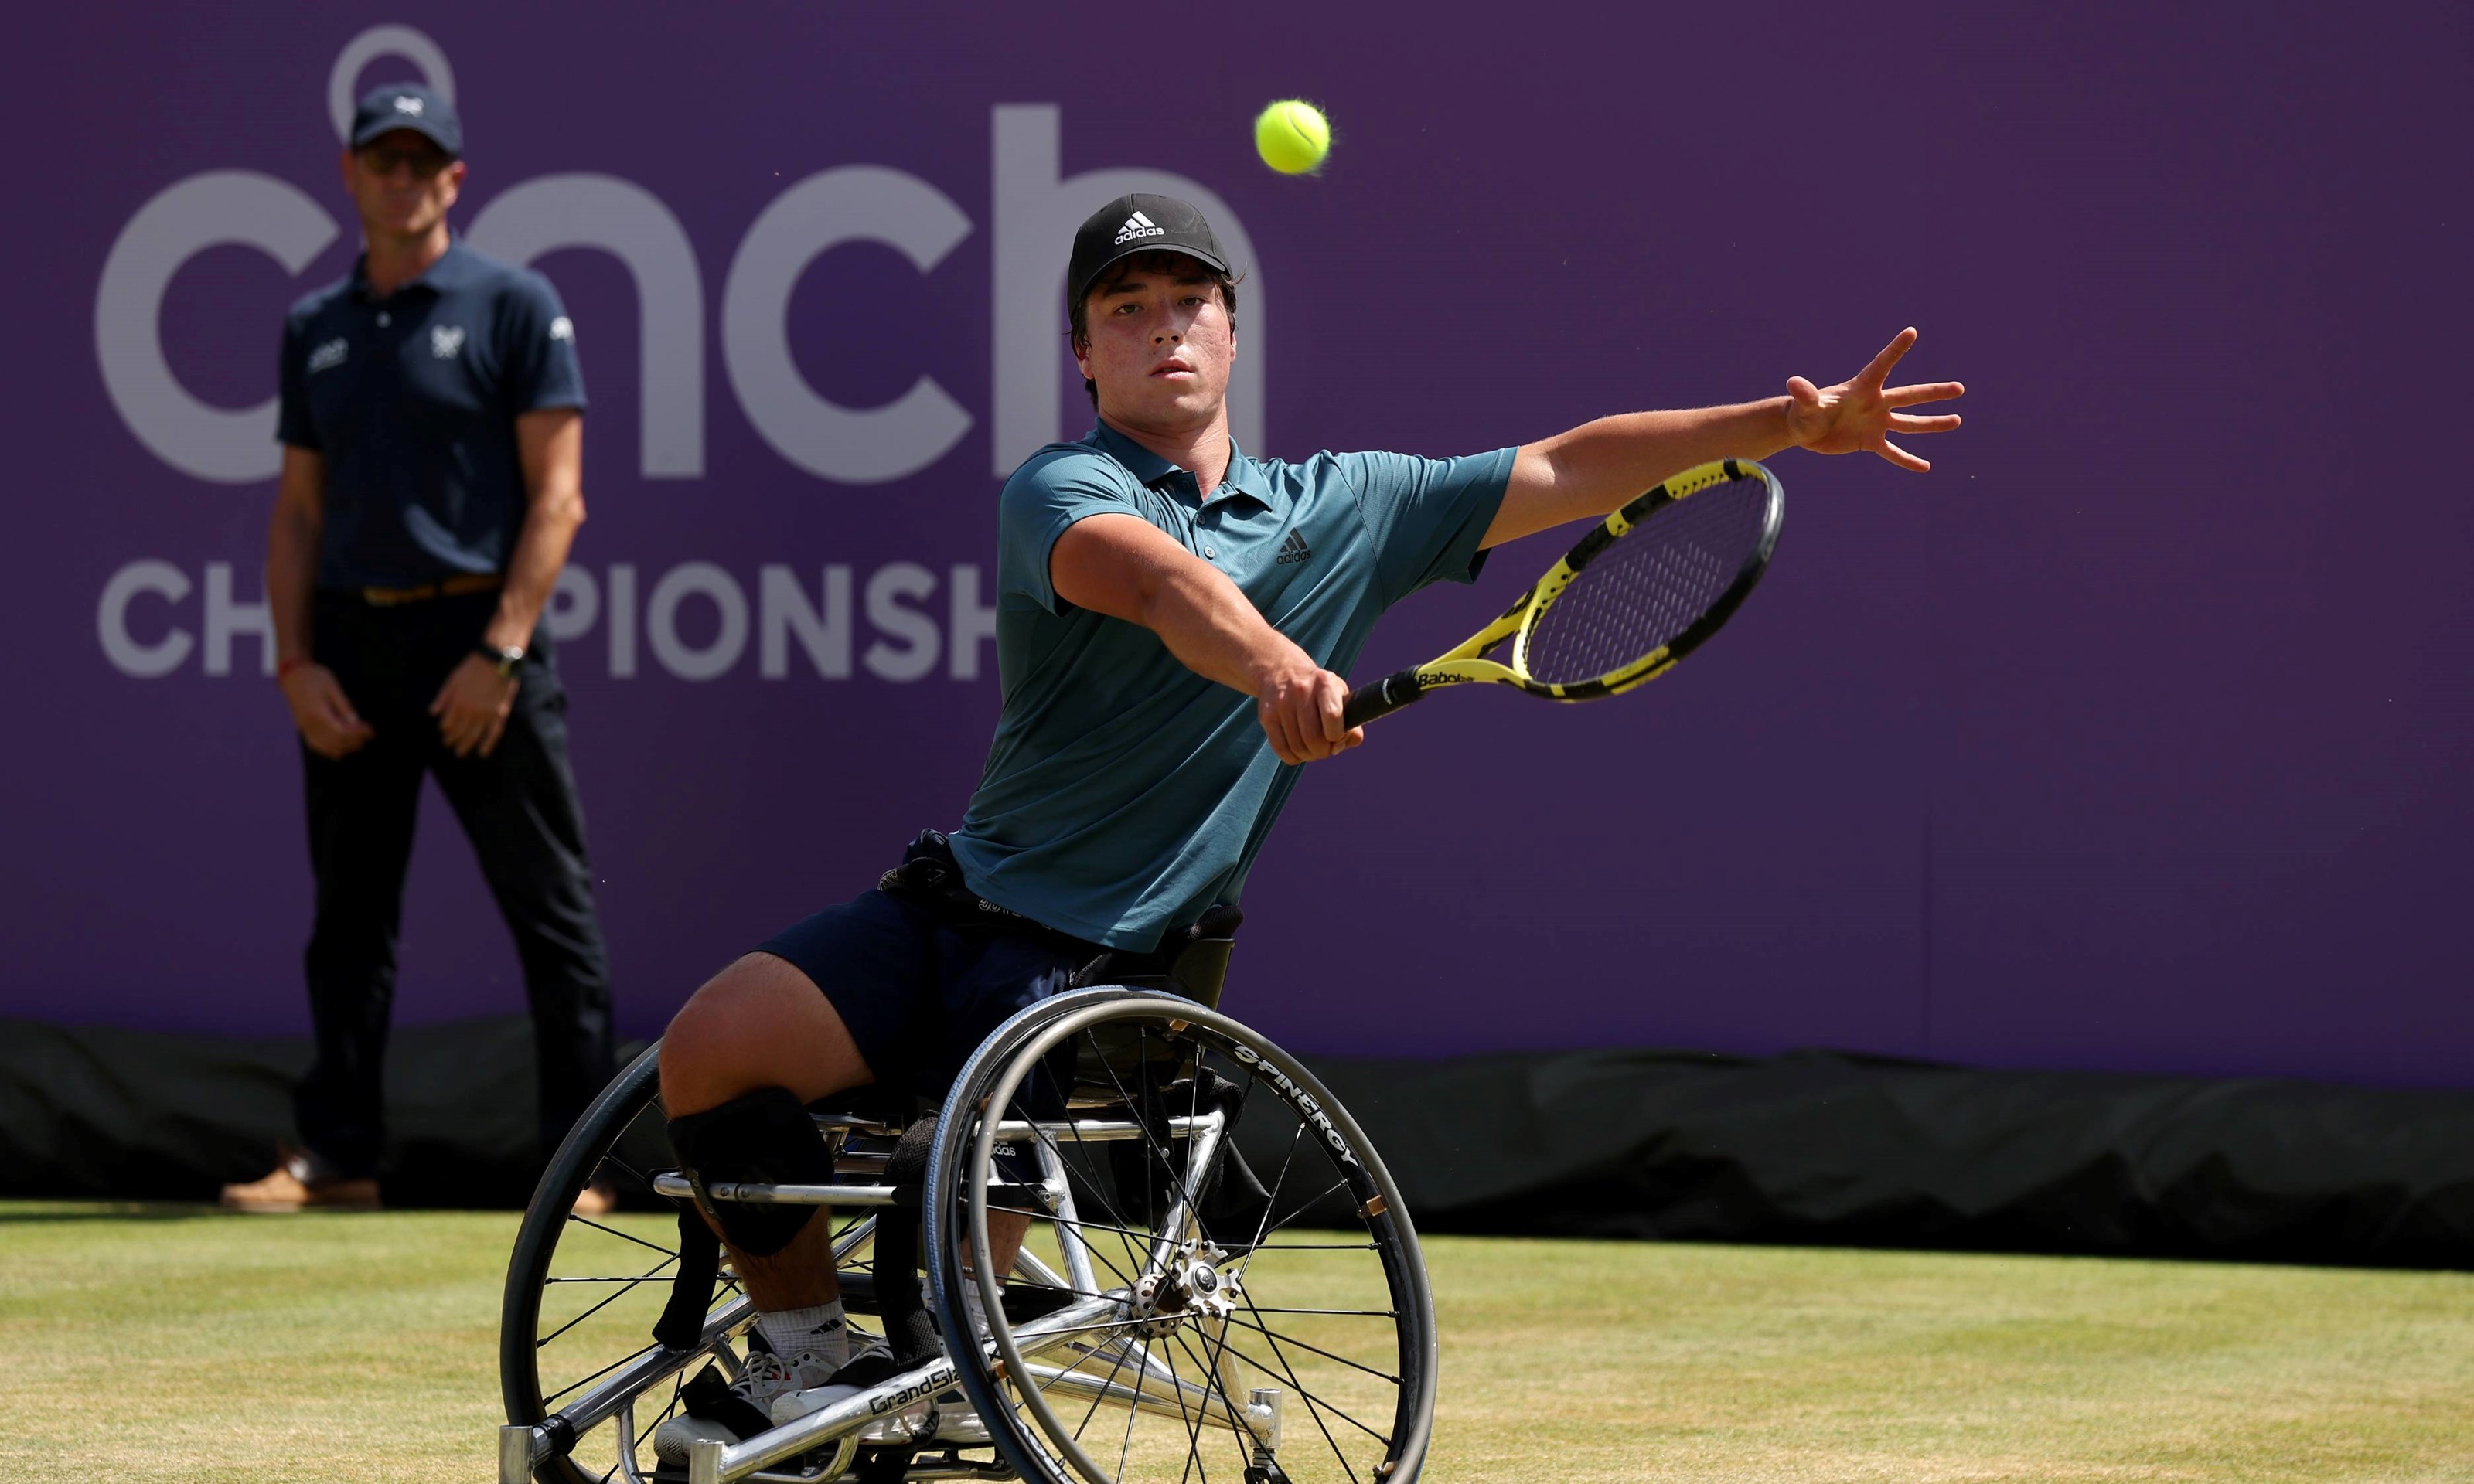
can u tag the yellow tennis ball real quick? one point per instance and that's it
(1292, 136)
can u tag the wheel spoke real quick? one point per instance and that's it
(1193, 1423)
(1314, 1402)
(587, 1221)
(1126, 1233)
(1273, 1336)
(603, 1305)
(1109, 1380)
(637, 1354)
(1239, 1437)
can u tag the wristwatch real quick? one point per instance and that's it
(501, 660)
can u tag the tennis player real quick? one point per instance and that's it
(1174, 620)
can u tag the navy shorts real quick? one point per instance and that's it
(917, 997)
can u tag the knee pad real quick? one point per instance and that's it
(765, 1138)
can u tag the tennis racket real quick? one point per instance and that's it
(1645, 588)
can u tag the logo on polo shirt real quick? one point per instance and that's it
(445, 339)
(1293, 549)
(408, 105)
(1139, 226)
(329, 356)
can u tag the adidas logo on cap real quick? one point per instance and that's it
(1293, 549)
(1136, 227)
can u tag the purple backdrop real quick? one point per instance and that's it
(2135, 736)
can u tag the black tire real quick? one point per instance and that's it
(1343, 1325)
(619, 1267)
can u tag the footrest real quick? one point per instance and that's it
(676, 1185)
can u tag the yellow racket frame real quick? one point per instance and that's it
(1468, 663)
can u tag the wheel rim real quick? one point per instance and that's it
(1340, 1323)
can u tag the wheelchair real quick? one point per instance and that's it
(1216, 1276)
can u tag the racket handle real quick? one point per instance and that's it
(1382, 698)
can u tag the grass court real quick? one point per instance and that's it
(180, 1343)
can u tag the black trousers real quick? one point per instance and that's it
(518, 806)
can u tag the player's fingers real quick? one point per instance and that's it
(1275, 730)
(1924, 392)
(1331, 702)
(497, 728)
(1908, 423)
(1904, 459)
(1308, 722)
(1804, 391)
(336, 708)
(1356, 737)
(1878, 370)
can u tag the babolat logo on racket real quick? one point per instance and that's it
(1304, 1099)
(1138, 226)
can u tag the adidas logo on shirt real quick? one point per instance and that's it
(1293, 549)
(1138, 226)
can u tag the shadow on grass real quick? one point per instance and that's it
(29, 1213)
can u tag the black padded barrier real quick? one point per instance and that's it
(1811, 1147)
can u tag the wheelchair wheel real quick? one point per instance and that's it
(583, 1292)
(1219, 1276)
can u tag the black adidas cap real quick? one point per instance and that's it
(408, 106)
(1138, 222)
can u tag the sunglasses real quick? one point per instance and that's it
(424, 164)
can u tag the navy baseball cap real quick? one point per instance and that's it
(1139, 223)
(408, 106)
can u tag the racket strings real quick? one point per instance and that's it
(1643, 590)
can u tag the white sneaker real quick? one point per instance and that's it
(765, 1379)
(871, 1362)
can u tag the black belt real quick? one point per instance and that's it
(930, 878)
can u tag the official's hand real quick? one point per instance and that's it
(471, 707)
(323, 712)
(1300, 708)
(1860, 415)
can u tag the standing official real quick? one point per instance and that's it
(434, 443)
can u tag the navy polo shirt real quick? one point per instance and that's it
(1123, 793)
(412, 400)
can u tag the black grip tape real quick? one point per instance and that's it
(1382, 698)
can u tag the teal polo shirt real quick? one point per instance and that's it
(1124, 794)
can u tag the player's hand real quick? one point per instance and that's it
(1860, 415)
(471, 707)
(323, 712)
(1300, 708)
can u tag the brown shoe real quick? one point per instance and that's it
(598, 1199)
(291, 1188)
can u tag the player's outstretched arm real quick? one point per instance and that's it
(1583, 473)
(1125, 568)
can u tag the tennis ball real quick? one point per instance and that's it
(1292, 136)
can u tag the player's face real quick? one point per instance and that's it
(401, 184)
(1160, 348)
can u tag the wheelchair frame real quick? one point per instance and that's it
(1178, 1286)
